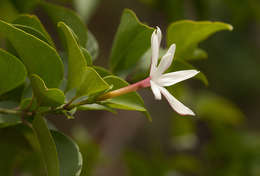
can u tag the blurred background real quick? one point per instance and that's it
(223, 139)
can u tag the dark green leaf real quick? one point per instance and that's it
(25, 5)
(38, 56)
(76, 60)
(58, 13)
(131, 42)
(47, 146)
(46, 97)
(69, 155)
(92, 83)
(12, 72)
(7, 11)
(32, 31)
(102, 71)
(34, 22)
(92, 46)
(87, 56)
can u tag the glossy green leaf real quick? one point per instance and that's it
(47, 146)
(92, 83)
(59, 13)
(32, 31)
(95, 107)
(69, 155)
(187, 34)
(12, 72)
(130, 101)
(92, 46)
(76, 60)
(46, 97)
(131, 42)
(34, 22)
(38, 56)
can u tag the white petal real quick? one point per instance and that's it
(156, 90)
(166, 60)
(155, 45)
(175, 104)
(159, 34)
(169, 79)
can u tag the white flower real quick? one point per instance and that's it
(158, 80)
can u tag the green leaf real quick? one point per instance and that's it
(32, 31)
(95, 107)
(76, 60)
(12, 72)
(28, 104)
(38, 56)
(102, 71)
(58, 13)
(8, 11)
(131, 41)
(187, 34)
(34, 22)
(92, 46)
(218, 109)
(46, 97)
(69, 155)
(47, 146)
(92, 83)
(13, 149)
(178, 65)
(87, 56)
(198, 54)
(130, 101)
(25, 5)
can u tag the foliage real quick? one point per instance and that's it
(45, 79)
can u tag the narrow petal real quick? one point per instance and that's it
(166, 60)
(169, 79)
(155, 46)
(159, 35)
(175, 104)
(156, 91)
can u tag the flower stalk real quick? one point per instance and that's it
(124, 90)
